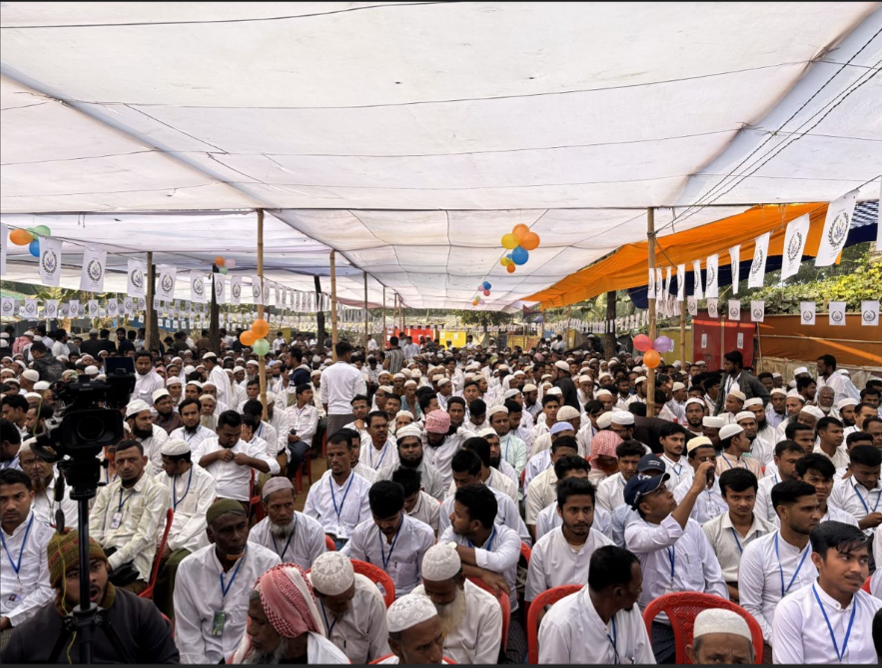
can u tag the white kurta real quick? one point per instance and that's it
(729, 543)
(431, 478)
(306, 542)
(709, 503)
(496, 481)
(555, 563)
(508, 515)
(549, 518)
(379, 459)
(441, 456)
(231, 479)
(44, 506)
(763, 507)
(339, 508)
(23, 592)
(856, 500)
(193, 439)
(610, 492)
(191, 495)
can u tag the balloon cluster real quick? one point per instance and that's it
(652, 349)
(30, 237)
(224, 265)
(255, 337)
(520, 241)
(484, 288)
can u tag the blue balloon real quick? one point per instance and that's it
(487, 285)
(519, 256)
(34, 248)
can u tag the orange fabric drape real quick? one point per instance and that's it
(628, 266)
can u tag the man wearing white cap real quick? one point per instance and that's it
(694, 411)
(794, 403)
(147, 381)
(765, 431)
(471, 617)
(28, 379)
(734, 443)
(415, 632)
(411, 456)
(141, 425)
(192, 492)
(352, 608)
(513, 449)
(775, 409)
(542, 443)
(733, 404)
(761, 450)
(720, 637)
(711, 427)
(710, 502)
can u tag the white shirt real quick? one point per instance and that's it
(377, 459)
(679, 471)
(554, 562)
(536, 465)
(231, 479)
(339, 509)
(840, 459)
(695, 566)
(541, 493)
(191, 495)
(198, 596)
(23, 592)
(549, 518)
(508, 515)
(499, 554)
(302, 546)
(152, 447)
(145, 386)
(222, 385)
(800, 633)
(761, 573)
(401, 558)
(572, 633)
(709, 503)
(192, 439)
(729, 543)
(762, 450)
(427, 510)
(44, 506)
(856, 500)
(441, 456)
(304, 420)
(513, 451)
(340, 383)
(763, 508)
(610, 492)
(496, 481)
(431, 479)
(477, 638)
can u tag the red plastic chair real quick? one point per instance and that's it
(523, 477)
(682, 610)
(548, 597)
(526, 552)
(148, 592)
(255, 504)
(303, 468)
(866, 586)
(504, 600)
(377, 661)
(330, 544)
(379, 577)
(171, 625)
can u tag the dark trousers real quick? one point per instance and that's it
(297, 452)
(165, 585)
(664, 646)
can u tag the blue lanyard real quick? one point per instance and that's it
(672, 557)
(221, 577)
(865, 504)
(744, 465)
(488, 543)
(508, 448)
(17, 567)
(122, 501)
(383, 453)
(329, 628)
(775, 476)
(288, 541)
(737, 542)
(381, 543)
(176, 502)
(339, 509)
(840, 652)
(796, 572)
(676, 471)
(613, 640)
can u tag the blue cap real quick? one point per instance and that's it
(640, 486)
(650, 462)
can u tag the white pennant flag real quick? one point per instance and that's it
(50, 309)
(650, 291)
(734, 259)
(870, 313)
(220, 283)
(128, 308)
(165, 283)
(50, 261)
(113, 308)
(734, 309)
(198, 287)
(93, 308)
(807, 313)
(837, 313)
(266, 294)
(667, 285)
(658, 293)
(236, 289)
(4, 245)
(92, 276)
(758, 311)
(137, 277)
(836, 229)
(256, 290)
(64, 310)
(7, 306)
(879, 244)
(712, 308)
(711, 269)
(758, 265)
(30, 309)
(794, 242)
(681, 281)
(698, 289)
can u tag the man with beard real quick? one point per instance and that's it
(42, 475)
(710, 503)
(150, 436)
(441, 442)
(734, 443)
(471, 616)
(127, 517)
(598, 625)
(844, 411)
(514, 450)
(530, 400)
(776, 411)
(147, 381)
(167, 419)
(760, 449)
(360, 409)
(287, 532)
(765, 431)
(496, 464)
(192, 431)
(352, 608)
(415, 633)
(825, 399)
(411, 454)
(694, 413)
(794, 403)
(783, 468)
(381, 450)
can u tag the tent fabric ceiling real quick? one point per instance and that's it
(411, 136)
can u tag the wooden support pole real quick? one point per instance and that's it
(150, 316)
(334, 303)
(683, 357)
(384, 317)
(214, 339)
(653, 313)
(260, 270)
(365, 311)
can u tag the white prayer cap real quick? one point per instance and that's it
(529, 387)
(175, 447)
(30, 334)
(159, 394)
(405, 372)
(441, 563)
(209, 355)
(409, 430)
(316, 373)
(408, 611)
(238, 369)
(386, 388)
(91, 370)
(700, 362)
(814, 411)
(41, 385)
(38, 339)
(399, 376)
(32, 395)
(442, 380)
(728, 431)
(487, 431)
(253, 362)
(698, 442)
(677, 363)
(677, 387)
(135, 407)
(720, 622)
(500, 408)
(405, 414)
(195, 383)
(604, 374)
(207, 396)
(846, 402)
(800, 370)
(31, 375)
(793, 384)
(7, 371)
(622, 418)
(793, 394)
(4, 343)
(275, 484)
(568, 412)
(602, 393)
(585, 379)
(778, 390)
(563, 366)
(175, 359)
(556, 391)
(511, 393)
(639, 379)
(745, 415)
(638, 369)
(695, 400)
(753, 401)
(410, 383)
(713, 422)
(844, 372)
(604, 420)
(737, 393)
(332, 573)
(188, 370)
(547, 376)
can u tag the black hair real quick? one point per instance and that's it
(14, 477)
(859, 407)
(593, 406)
(16, 401)
(479, 501)
(9, 432)
(787, 446)
(868, 421)
(877, 626)
(142, 353)
(794, 427)
(630, 449)
(866, 455)
(512, 406)
(455, 400)
(425, 399)
(471, 383)
(574, 486)
(304, 387)
(359, 397)
(637, 408)
(467, 461)
(824, 422)
(251, 421)
(343, 349)
(735, 357)
(737, 480)
(408, 479)
(548, 398)
(386, 499)
(828, 361)
(570, 463)
(669, 429)
(790, 492)
(376, 414)
(254, 381)
(479, 446)
(230, 419)
(858, 437)
(253, 407)
(841, 536)
(477, 407)
(339, 437)
(129, 443)
(39, 346)
(816, 462)
(560, 441)
(610, 566)
(765, 375)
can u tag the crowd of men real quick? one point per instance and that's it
(461, 486)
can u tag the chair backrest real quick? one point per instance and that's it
(378, 661)
(866, 586)
(526, 552)
(537, 606)
(330, 544)
(379, 577)
(158, 556)
(682, 610)
(504, 601)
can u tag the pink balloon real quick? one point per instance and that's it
(230, 263)
(642, 342)
(486, 292)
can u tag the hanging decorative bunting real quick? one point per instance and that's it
(794, 243)
(198, 287)
(658, 293)
(50, 261)
(698, 288)
(50, 309)
(711, 269)
(870, 313)
(92, 276)
(74, 307)
(837, 313)
(758, 311)
(650, 291)
(681, 281)
(256, 290)
(758, 264)
(64, 310)
(137, 275)
(667, 284)
(7, 306)
(734, 309)
(165, 283)
(266, 294)
(236, 289)
(93, 308)
(836, 229)
(31, 309)
(734, 258)
(219, 281)
(712, 308)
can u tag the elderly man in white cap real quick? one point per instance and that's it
(720, 637)
(289, 533)
(471, 617)
(415, 632)
(411, 455)
(192, 492)
(765, 431)
(351, 607)
(141, 426)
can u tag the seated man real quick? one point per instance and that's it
(598, 625)
(415, 632)
(287, 532)
(141, 633)
(542, 492)
(24, 574)
(191, 430)
(720, 637)
(127, 518)
(167, 419)
(213, 584)
(410, 454)
(549, 517)
(787, 454)
(489, 475)
(142, 428)
(734, 443)
(610, 492)
(441, 441)
(376, 541)
(417, 503)
(42, 475)
(352, 608)
(861, 494)
(818, 471)
(381, 451)
(710, 502)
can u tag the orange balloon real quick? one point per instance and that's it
(530, 241)
(651, 358)
(520, 230)
(21, 237)
(261, 328)
(511, 268)
(247, 338)
(219, 261)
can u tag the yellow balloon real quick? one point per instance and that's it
(509, 241)
(504, 261)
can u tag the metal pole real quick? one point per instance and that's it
(260, 270)
(334, 304)
(653, 313)
(365, 311)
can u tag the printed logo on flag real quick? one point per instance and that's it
(256, 292)
(809, 316)
(137, 278)
(757, 264)
(839, 231)
(94, 270)
(869, 316)
(219, 286)
(692, 305)
(734, 310)
(795, 246)
(8, 306)
(49, 261)
(167, 283)
(31, 308)
(197, 284)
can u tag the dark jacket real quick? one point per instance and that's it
(570, 394)
(749, 385)
(144, 634)
(49, 368)
(92, 346)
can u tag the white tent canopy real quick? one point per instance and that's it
(411, 136)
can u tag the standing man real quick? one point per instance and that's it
(217, 376)
(565, 383)
(734, 374)
(339, 384)
(147, 381)
(828, 377)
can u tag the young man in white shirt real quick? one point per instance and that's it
(829, 432)
(193, 432)
(381, 451)
(761, 450)
(672, 438)
(710, 502)
(147, 381)
(599, 625)
(417, 503)
(861, 494)
(542, 492)
(339, 384)
(610, 492)
(482, 447)
(829, 620)
(302, 419)
(787, 454)
(734, 443)
(819, 472)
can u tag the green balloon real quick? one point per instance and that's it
(41, 230)
(261, 347)
(223, 270)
